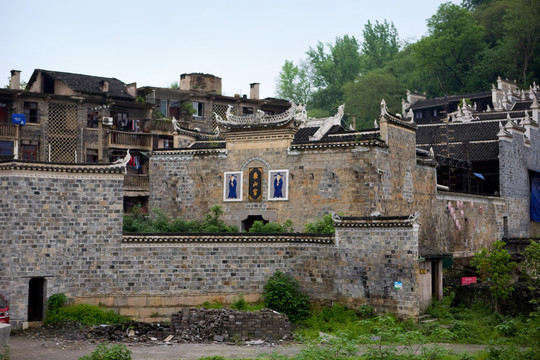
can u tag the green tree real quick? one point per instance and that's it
(448, 53)
(325, 225)
(363, 97)
(332, 69)
(495, 268)
(379, 46)
(174, 85)
(294, 83)
(531, 265)
(521, 40)
(282, 293)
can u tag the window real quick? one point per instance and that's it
(247, 110)
(92, 119)
(29, 152)
(199, 109)
(3, 113)
(435, 112)
(31, 112)
(120, 120)
(91, 156)
(163, 107)
(418, 115)
(6, 150)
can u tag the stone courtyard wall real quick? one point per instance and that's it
(63, 224)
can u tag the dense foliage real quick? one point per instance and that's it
(282, 293)
(271, 227)
(158, 222)
(495, 268)
(325, 225)
(466, 48)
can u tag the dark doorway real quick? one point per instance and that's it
(36, 292)
(248, 222)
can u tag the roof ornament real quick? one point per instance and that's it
(488, 109)
(300, 115)
(336, 217)
(176, 125)
(384, 108)
(410, 115)
(375, 214)
(431, 152)
(375, 125)
(413, 218)
(122, 162)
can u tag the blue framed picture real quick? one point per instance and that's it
(232, 186)
(278, 185)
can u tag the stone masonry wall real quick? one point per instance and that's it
(66, 229)
(353, 180)
(516, 159)
(59, 226)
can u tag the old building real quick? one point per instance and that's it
(198, 99)
(484, 144)
(61, 225)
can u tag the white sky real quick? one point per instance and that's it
(152, 42)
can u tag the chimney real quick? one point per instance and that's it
(15, 80)
(254, 91)
(104, 85)
(131, 89)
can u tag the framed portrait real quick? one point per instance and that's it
(278, 185)
(232, 186)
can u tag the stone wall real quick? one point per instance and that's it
(62, 224)
(519, 153)
(57, 223)
(353, 180)
(480, 224)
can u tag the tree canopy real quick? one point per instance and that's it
(467, 47)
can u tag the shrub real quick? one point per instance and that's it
(105, 352)
(5, 354)
(56, 302)
(321, 226)
(85, 314)
(282, 293)
(271, 227)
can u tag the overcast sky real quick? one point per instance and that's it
(152, 42)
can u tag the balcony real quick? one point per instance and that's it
(8, 131)
(129, 140)
(136, 182)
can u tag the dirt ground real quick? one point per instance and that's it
(22, 348)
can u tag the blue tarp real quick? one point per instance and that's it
(479, 175)
(535, 196)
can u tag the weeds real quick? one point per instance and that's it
(105, 352)
(85, 314)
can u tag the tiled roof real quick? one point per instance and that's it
(473, 151)
(208, 145)
(87, 84)
(431, 253)
(500, 115)
(335, 134)
(458, 132)
(421, 104)
(522, 105)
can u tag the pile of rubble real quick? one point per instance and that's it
(132, 331)
(200, 325)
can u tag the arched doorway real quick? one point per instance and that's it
(248, 222)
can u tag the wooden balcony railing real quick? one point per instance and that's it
(136, 182)
(127, 140)
(8, 131)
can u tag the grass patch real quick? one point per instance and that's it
(85, 314)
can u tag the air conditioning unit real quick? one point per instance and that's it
(107, 120)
